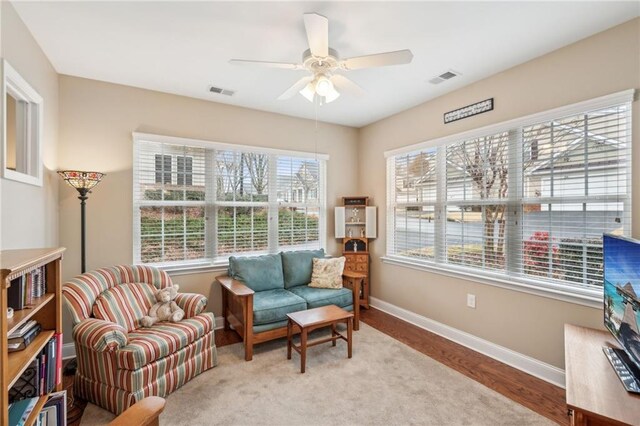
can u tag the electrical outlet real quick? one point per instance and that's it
(471, 300)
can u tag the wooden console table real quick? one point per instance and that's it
(595, 395)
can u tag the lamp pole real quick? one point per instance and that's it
(83, 202)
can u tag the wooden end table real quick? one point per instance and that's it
(312, 319)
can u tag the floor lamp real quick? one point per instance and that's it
(83, 182)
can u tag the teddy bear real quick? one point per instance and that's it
(165, 309)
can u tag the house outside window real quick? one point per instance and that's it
(526, 201)
(197, 203)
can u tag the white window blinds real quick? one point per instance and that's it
(200, 204)
(529, 201)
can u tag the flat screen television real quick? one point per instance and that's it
(622, 306)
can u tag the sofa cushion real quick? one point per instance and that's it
(274, 305)
(297, 266)
(259, 273)
(316, 297)
(164, 338)
(125, 304)
(327, 273)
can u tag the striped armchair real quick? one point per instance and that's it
(120, 363)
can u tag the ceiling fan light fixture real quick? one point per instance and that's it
(308, 92)
(324, 86)
(332, 95)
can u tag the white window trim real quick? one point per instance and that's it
(15, 85)
(220, 265)
(201, 143)
(587, 296)
(577, 108)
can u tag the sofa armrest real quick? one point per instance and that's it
(235, 287)
(352, 281)
(142, 413)
(351, 275)
(191, 303)
(99, 335)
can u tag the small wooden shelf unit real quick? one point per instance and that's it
(356, 230)
(47, 310)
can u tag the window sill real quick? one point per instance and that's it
(199, 268)
(581, 296)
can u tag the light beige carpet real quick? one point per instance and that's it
(385, 383)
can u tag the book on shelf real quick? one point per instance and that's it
(20, 343)
(25, 288)
(59, 344)
(15, 293)
(39, 287)
(23, 329)
(59, 401)
(54, 412)
(48, 416)
(52, 355)
(19, 411)
(43, 373)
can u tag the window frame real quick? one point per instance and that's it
(588, 296)
(211, 262)
(14, 85)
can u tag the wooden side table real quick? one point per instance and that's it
(595, 395)
(312, 319)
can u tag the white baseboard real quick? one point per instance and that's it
(69, 349)
(529, 365)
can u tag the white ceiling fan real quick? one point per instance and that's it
(323, 62)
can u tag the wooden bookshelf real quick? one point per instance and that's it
(20, 317)
(18, 361)
(47, 310)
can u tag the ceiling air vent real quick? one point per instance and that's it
(447, 75)
(221, 91)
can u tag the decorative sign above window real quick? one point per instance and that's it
(468, 111)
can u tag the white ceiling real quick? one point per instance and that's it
(182, 48)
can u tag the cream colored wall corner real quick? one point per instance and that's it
(602, 64)
(30, 213)
(96, 121)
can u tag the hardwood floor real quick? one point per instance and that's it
(542, 397)
(536, 394)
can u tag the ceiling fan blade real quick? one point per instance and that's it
(317, 27)
(293, 90)
(343, 84)
(378, 60)
(284, 65)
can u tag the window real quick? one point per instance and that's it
(22, 129)
(528, 200)
(185, 170)
(199, 203)
(163, 168)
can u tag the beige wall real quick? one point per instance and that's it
(30, 213)
(602, 64)
(95, 134)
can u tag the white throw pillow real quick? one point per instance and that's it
(327, 273)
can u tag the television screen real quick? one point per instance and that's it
(622, 292)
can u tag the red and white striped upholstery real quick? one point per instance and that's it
(120, 363)
(149, 344)
(125, 304)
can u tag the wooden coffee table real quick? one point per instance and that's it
(312, 319)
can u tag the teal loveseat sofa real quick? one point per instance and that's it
(258, 293)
